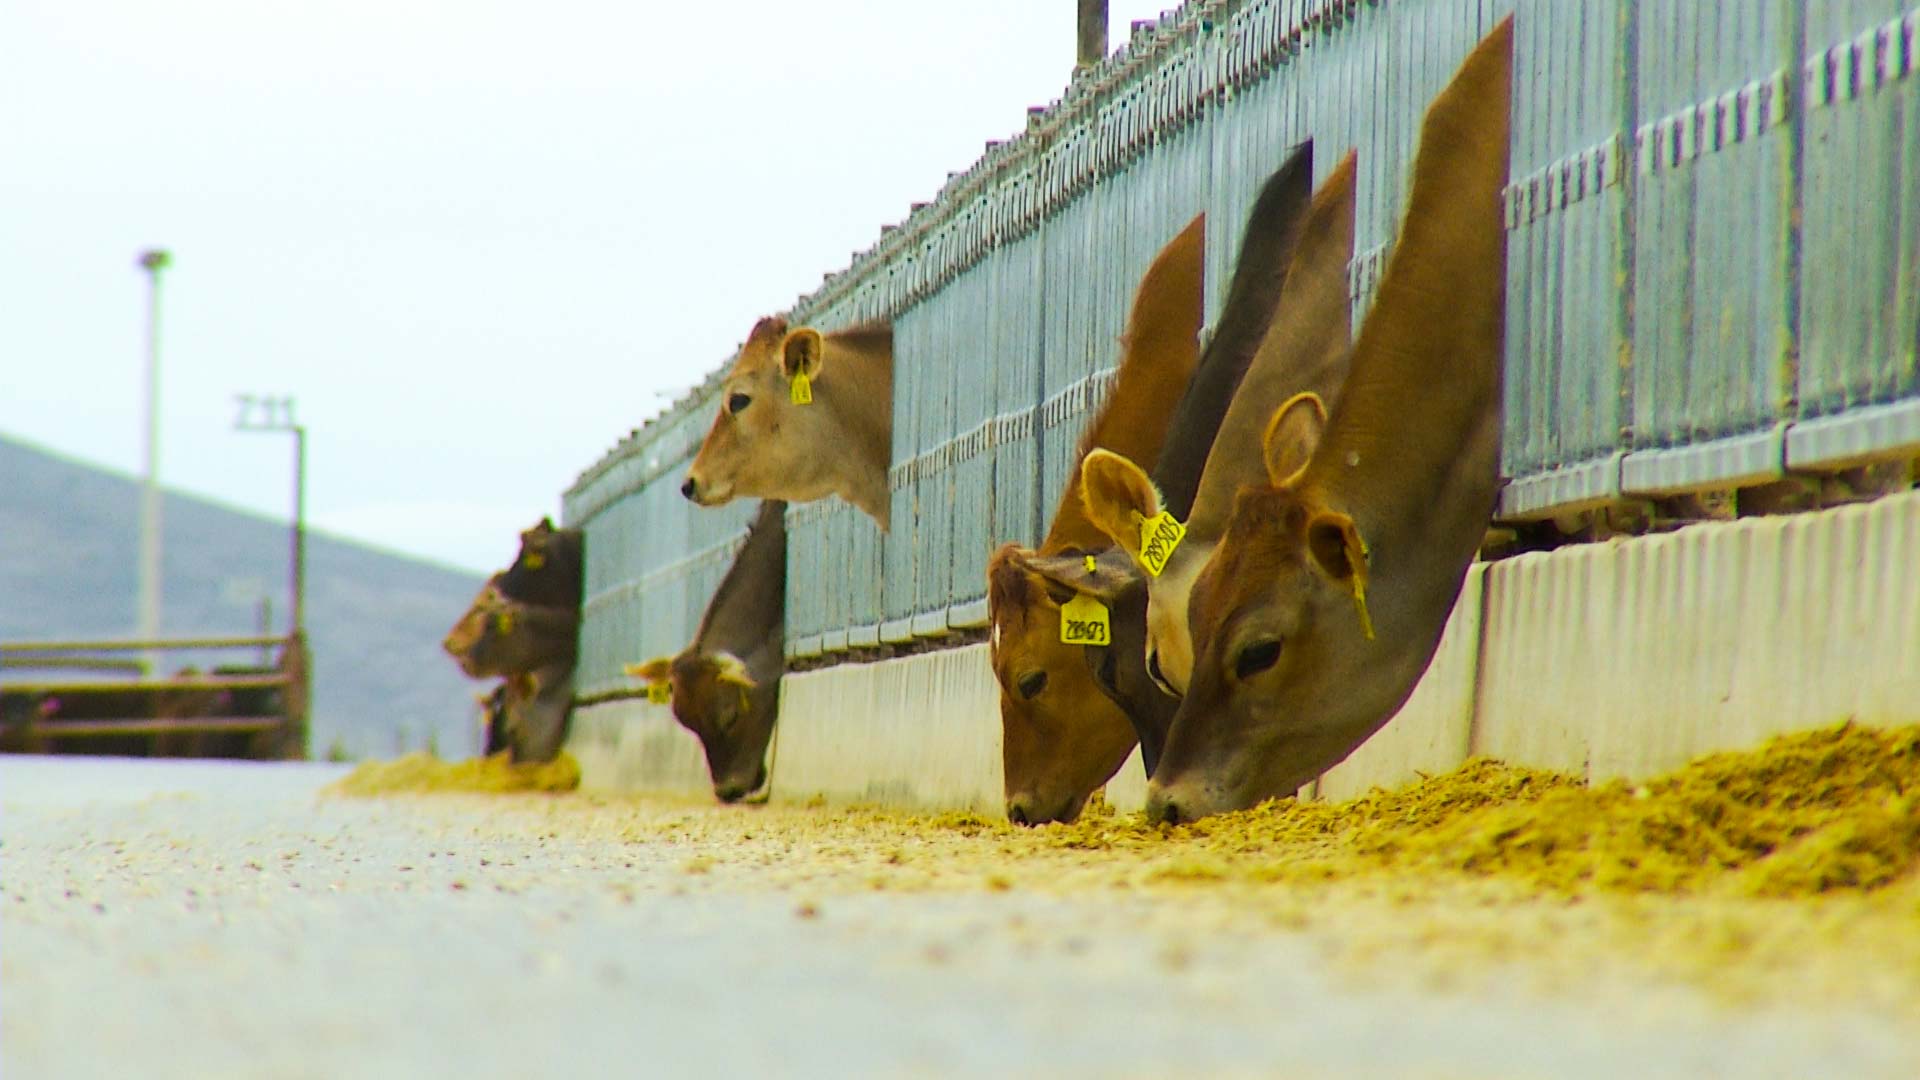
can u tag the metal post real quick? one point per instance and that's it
(296, 661)
(153, 261)
(277, 414)
(1093, 34)
(299, 524)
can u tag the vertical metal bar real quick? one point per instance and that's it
(153, 261)
(1092, 37)
(299, 528)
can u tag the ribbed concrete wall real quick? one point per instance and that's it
(635, 746)
(1630, 658)
(920, 731)
(1616, 659)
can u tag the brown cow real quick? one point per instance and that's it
(525, 625)
(768, 444)
(1327, 596)
(1060, 736)
(725, 686)
(1305, 349)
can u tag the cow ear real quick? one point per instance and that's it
(1340, 552)
(1334, 540)
(1066, 575)
(801, 353)
(654, 670)
(1117, 495)
(730, 669)
(1292, 436)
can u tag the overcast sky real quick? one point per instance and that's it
(478, 240)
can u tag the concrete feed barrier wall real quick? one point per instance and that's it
(637, 746)
(1631, 658)
(919, 731)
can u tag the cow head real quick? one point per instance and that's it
(714, 697)
(765, 442)
(1119, 497)
(497, 636)
(1279, 623)
(548, 568)
(1061, 737)
(469, 627)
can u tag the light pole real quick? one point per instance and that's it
(152, 261)
(276, 414)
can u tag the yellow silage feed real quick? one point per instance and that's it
(1837, 808)
(421, 772)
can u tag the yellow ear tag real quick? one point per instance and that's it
(1083, 621)
(535, 560)
(503, 622)
(801, 392)
(745, 705)
(660, 693)
(1092, 567)
(1360, 593)
(1160, 535)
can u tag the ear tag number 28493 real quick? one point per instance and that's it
(1159, 536)
(1083, 621)
(801, 391)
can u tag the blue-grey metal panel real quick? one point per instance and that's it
(1566, 208)
(1019, 304)
(1712, 337)
(1861, 205)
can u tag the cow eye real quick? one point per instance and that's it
(736, 402)
(1031, 685)
(1159, 679)
(1256, 658)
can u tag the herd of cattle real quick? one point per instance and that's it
(1253, 562)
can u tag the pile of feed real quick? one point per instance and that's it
(421, 772)
(1837, 808)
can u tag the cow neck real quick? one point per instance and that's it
(1306, 348)
(1162, 344)
(856, 393)
(1411, 450)
(749, 607)
(1266, 246)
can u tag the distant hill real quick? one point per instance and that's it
(69, 539)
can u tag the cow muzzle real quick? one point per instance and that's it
(736, 792)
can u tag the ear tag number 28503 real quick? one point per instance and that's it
(1159, 536)
(1083, 621)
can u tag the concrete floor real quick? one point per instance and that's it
(211, 920)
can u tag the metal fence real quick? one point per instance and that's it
(1714, 224)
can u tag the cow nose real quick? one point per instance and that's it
(730, 792)
(1162, 810)
(689, 488)
(1017, 812)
